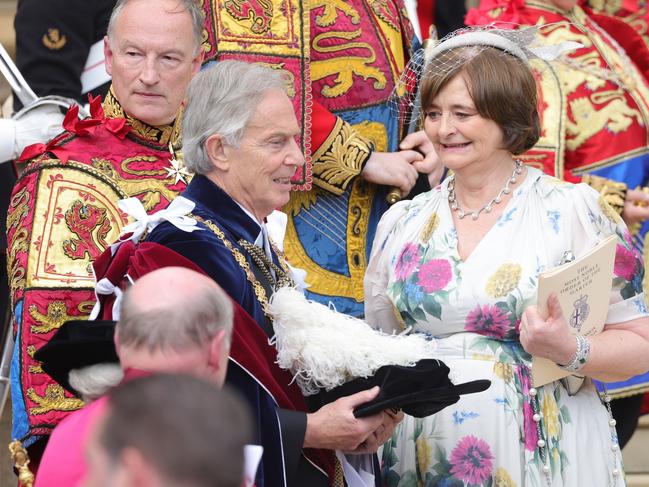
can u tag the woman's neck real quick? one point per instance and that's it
(474, 188)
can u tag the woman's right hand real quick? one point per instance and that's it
(547, 337)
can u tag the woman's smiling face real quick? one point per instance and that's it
(461, 135)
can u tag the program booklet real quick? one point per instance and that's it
(583, 287)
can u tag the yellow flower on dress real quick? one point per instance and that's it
(502, 479)
(556, 181)
(504, 280)
(608, 210)
(430, 226)
(423, 454)
(556, 455)
(482, 356)
(504, 371)
(550, 415)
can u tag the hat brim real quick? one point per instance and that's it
(77, 344)
(422, 403)
(419, 390)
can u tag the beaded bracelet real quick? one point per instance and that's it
(581, 355)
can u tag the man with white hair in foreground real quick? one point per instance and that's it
(172, 320)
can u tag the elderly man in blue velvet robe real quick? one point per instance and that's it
(239, 135)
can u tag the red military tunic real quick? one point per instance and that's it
(632, 12)
(63, 213)
(594, 102)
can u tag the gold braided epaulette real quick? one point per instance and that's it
(340, 158)
(613, 192)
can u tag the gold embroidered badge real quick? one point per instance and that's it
(54, 40)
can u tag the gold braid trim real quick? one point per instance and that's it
(35, 368)
(340, 158)
(18, 211)
(613, 192)
(164, 134)
(266, 265)
(260, 292)
(21, 461)
(125, 163)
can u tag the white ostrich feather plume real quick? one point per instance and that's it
(324, 349)
(93, 381)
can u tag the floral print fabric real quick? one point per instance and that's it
(472, 309)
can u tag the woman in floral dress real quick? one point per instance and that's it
(461, 264)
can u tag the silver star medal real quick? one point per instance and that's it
(177, 171)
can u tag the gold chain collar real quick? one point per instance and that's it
(163, 135)
(260, 293)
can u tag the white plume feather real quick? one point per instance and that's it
(324, 348)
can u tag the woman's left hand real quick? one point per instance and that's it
(549, 338)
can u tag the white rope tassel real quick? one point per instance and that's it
(106, 288)
(324, 348)
(175, 213)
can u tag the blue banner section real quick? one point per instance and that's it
(20, 426)
(324, 228)
(634, 173)
(630, 387)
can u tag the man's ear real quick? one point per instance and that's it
(138, 472)
(217, 153)
(197, 62)
(217, 351)
(108, 56)
(117, 343)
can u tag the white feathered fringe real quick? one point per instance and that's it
(324, 348)
(93, 381)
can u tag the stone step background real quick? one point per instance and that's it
(636, 456)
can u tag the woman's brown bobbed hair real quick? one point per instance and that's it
(501, 86)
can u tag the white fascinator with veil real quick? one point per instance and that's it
(522, 43)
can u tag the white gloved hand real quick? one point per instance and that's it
(38, 125)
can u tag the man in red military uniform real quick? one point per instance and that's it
(63, 211)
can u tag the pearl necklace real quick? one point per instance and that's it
(461, 212)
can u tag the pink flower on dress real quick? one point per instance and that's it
(488, 320)
(434, 275)
(407, 261)
(529, 426)
(625, 263)
(471, 460)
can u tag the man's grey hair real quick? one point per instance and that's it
(178, 327)
(189, 6)
(221, 100)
